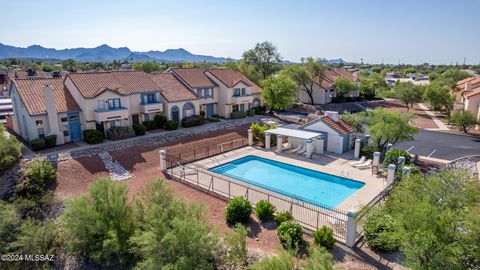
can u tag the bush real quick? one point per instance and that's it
(119, 133)
(10, 150)
(282, 261)
(283, 216)
(238, 210)
(202, 113)
(171, 125)
(379, 231)
(238, 114)
(214, 120)
(237, 245)
(290, 233)
(264, 210)
(149, 125)
(195, 120)
(51, 140)
(139, 129)
(8, 225)
(92, 136)
(260, 110)
(216, 116)
(37, 144)
(251, 112)
(160, 120)
(368, 151)
(392, 157)
(324, 237)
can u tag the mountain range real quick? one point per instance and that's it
(104, 53)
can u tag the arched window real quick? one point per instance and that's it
(175, 113)
(188, 109)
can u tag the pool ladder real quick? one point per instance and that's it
(344, 174)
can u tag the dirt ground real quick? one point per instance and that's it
(74, 176)
(421, 120)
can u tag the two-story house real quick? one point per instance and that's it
(45, 107)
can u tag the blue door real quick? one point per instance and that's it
(74, 126)
(209, 110)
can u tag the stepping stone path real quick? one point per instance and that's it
(117, 171)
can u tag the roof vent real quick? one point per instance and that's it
(56, 74)
(31, 72)
(332, 115)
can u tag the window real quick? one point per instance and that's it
(65, 131)
(39, 122)
(236, 92)
(41, 133)
(101, 105)
(244, 91)
(64, 119)
(242, 107)
(114, 104)
(116, 123)
(72, 118)
(235, 108)
(151, 98)
(148, 98)
(147, 118)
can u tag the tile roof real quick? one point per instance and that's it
(341, 126)
(471, 93)
(123, 82)
(331, 74)
(231, 77)
(194, 77)
(462, 82)
(172, 88)
(23, 74)
(31, 93)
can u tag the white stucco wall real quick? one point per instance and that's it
(320, 96)
(334, 140)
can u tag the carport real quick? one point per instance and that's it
(296, 137)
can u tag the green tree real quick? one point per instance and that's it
(70, 65)
(10, 150)
(434, 217)
(409, 93)
(237, 246)
(147, 67)
(369, 85)
(343, 86)
(354, 120)
(388, 127)
(264, 57)
(278, 91)
(439, 97)
(307, 74)
(99, 226)
(464, 120)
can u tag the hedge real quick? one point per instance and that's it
(251, 112)
(92, 136)
(119, 133)
(196, 120)
(160, 120)
(149, 125)
(37, 144)
(139, 129)
(171, 125)
(238, 114)
(238, 210)
(51, 140)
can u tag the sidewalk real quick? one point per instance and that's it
(438, 122)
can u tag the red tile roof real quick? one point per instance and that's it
(31, 93)
(231, 77)
(194, 77)
(172, 88)
(473, 92)
(123, 82)
(331, 74)
(23, 74)
(341, 126)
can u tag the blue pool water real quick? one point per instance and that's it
(314, 187)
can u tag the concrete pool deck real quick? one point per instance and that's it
(330, 164)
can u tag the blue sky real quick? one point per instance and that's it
(407, 31)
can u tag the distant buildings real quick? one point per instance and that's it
(416, 78)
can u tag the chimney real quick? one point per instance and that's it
(53, 123)
(332, 115)
(468, 86)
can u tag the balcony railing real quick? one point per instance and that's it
(151, 107)
(102, 115)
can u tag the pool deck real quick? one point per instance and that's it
(326, 163)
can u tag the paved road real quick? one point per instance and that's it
(442, 145)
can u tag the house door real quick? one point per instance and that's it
(74, 126)
(135, 119)
(99, 126)
(209, 110)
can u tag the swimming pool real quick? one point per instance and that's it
(310, 186)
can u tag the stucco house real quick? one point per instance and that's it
(324, 91)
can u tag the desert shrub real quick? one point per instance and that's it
(368, 151)
(149, 125)
(195, 120)
(139, 129)
(264, 210)
(238, 210)
(238, 114)
(160, 120)
(216, 116)
(10, 150)
(51, 140)
(260, 110)
(392, 156)
(99, 225)
(38, 144)
(290, 233)
(379, 231)
(237, 245)
(324, 237)
(9, 223)
(92, 136)
(283, 216)
(171, 125)
(202, 113)
(119, 133)
(214, 120)
(251, 112)
(281, 261)
(318, 259)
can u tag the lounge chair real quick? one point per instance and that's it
(286, 146)
(362, 159)
(302, 150)
(296, 148)
(364, 165)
